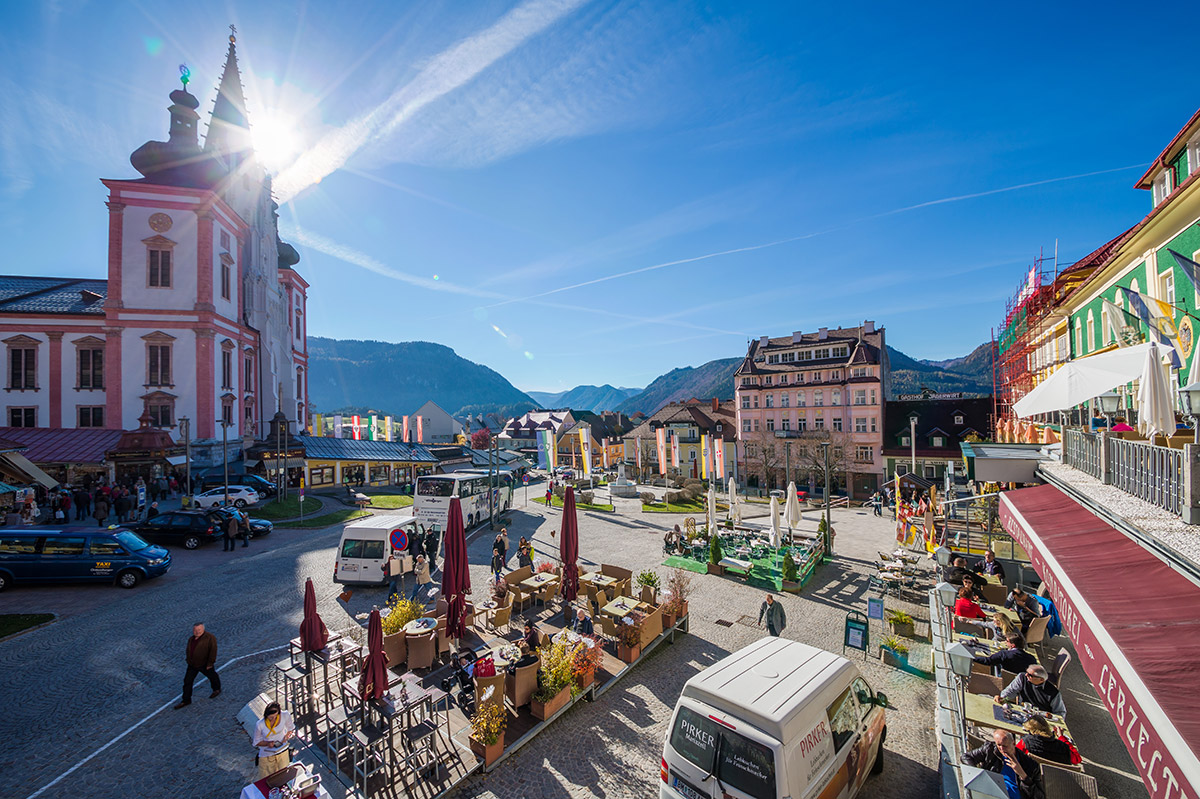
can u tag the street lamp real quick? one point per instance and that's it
(942, 554)
(947, 593)
(982, 783)
(225, 453)
(185, 425)
(1109, 401)
(828, 523)
(961, 659)
(1189, 395)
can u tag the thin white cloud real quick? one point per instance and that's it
(446, 72)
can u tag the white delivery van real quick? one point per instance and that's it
(365, 545)
(776, 720)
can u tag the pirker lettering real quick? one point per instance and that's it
(809, 742)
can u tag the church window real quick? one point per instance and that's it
(22, 364)
(158, 371)
(226, 369)
(225, 280)
(160, 267)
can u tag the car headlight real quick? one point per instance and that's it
(156, 562)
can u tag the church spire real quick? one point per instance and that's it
(228, 128)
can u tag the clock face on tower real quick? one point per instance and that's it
(160, 223)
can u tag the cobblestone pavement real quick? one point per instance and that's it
(109, 664)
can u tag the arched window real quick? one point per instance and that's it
(1106, 323)
(1091, 332)
(1078, 337)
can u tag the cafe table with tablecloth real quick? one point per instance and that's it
(982, 647)
(261, 790)
(622, 606)
(538, 582)
(1011, 615)
(420, 626)
(603, 582)
(984, 711)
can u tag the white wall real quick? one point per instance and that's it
(135, 275)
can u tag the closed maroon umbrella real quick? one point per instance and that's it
(313, 635)
(569, 547)
(456, 573)
(374, 680)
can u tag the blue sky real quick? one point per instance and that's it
(597, 192)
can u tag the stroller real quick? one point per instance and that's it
(462, 678)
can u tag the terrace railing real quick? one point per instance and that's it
(1081, 450)
(1152, 474)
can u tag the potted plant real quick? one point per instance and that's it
(679, 586)
(715, 555)
(900, 623)
(554, 680)
(629, 637)
(546, 567)
(791, 576)
(585, 660)
(650, 578)
(400, 612)
(487, 731)
(893, 652)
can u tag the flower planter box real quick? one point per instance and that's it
(544, 710)
(791, 586)
(901, 629)
(585, 681)
(668, 621)
(716, 568)
(892, 658)
(488, 753)
(627, 653)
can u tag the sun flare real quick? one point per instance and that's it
(276, 142)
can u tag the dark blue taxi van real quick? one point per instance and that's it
(51, 555)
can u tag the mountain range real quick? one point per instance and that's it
(585, 398)
(353, 376)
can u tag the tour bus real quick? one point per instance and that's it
(775, 719)
(432, 501)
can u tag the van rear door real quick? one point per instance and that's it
(717, 755)
(362, 556)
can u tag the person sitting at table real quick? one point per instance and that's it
(1012, 658)
(1041, 740)
(582, 623)
(272, 735)
(972, 586)
(1033, 687)
(1026, 606)
(1022, 775)
(1004, 627)
(958, 569)
(989, 565)
(528, 657)
(530, 636)
(500, 592)
(1121, 426)
(967, 608)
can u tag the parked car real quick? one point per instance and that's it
(43, 555)
(261, 485)
(191, 528)
(241, 496)
(258, 527)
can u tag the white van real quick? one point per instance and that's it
(364, 548)
(776, 719)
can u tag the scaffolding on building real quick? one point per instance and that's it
(1024, 315)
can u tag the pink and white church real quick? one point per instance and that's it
(203, 314)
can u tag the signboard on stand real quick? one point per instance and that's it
(857, 634)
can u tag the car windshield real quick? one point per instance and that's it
(131, 541)
(741, 763)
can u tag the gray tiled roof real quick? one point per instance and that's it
(65, 295)
(349, 449)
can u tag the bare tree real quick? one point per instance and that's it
(808, 458)
(763, 457)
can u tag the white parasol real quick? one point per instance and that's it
(1156, 413)
(792, 509)
(712, 508)
(775, 535)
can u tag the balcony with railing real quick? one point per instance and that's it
(1154, 474)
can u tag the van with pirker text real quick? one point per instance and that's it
(363, 551)
(776, 719)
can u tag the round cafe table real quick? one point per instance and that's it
(419, 626)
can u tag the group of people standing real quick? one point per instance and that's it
(423, 550)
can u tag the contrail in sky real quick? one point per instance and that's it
(776, 243)
(446, 72)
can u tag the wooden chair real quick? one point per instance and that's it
(483, 683)
(521, 684)
(647, 595)
(1036, 634)
(984, 684)
(421, 650)
(609, 628)
(1066, 783)
(395, 648)
(500, 616)
(1061, 661)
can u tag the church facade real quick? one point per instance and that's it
(203, 314)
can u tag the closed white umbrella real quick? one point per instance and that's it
(1156, 411)
(731, 491)
(775, 535)
(712, 508)
(792, 508)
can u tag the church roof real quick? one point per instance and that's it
(229, 128)
(57, 295)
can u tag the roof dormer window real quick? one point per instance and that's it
(1161, 186)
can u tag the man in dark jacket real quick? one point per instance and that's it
(83, 504)
(1022, 775)
(432, 540)
(582, 624)
(1033, 687)
(773, 611)
(201, 657)
(989, 565)
(231, 531)
(1014, 658)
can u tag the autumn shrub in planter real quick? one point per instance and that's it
(893, 652)
(629, 637)
(487, 731)
(400, 612)
(679, 587)
(585, 660)
(900, 623)
(555, 679)
(650, 578)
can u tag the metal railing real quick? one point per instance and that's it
(1152, 474)
(1081, 450)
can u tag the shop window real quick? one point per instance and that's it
(380, 473)
(320, 476)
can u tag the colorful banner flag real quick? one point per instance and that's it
(1189, 267)
(1122, 325)
(541, 449)
(420, 430)
(548, 446)
(388, 431)
(1159, 319)
(585, 447)
(371, 428)
(318, 425)
(404, 420)
(709, 461)
(719, 463)
(604, 453)
(660, 440)
(638, 453)
(703, 456)
(337, 425)
(675, 449)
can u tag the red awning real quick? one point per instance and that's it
(1135, 622)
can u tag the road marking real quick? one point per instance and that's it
(171, 703)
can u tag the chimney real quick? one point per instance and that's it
(868, 327)
(796, 337)
(716, 404)
(822, 334)
(762, 342)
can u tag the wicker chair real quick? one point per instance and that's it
(647, 595)
(609, 628)
(520, 685)
(1061, 661)
(1066, 783)
(395, 648)
(601, 601)
(421, 650)
(443, 640)
(483, 683)
(984, 684)
(548, 595)
(498, 617)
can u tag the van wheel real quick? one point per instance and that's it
(191, 542)
(5, 581)
(877, 766)
(128, 579)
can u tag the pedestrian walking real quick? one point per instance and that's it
(432, 542)
(231, 531)
(773, 611)
(201, 658)
(243, 520)
(395, 573)
(423, 580)
(524, 553)
(83, 502)
(497, 565)
(504, 540)
(101, 512)
(272, 736)
(549, 494)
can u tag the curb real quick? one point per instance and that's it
(19, 633)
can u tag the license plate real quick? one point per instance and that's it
(686, 789)
(350, 567)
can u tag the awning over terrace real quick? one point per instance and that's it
(1077, 381)
(1135, 622)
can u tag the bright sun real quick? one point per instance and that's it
(275, 141)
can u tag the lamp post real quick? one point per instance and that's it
(828, 523)
(225, 454)
(961, 660)
(947, 593)
(185, 424)
(1108, 405)
(1190, 396)
(787, 462)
